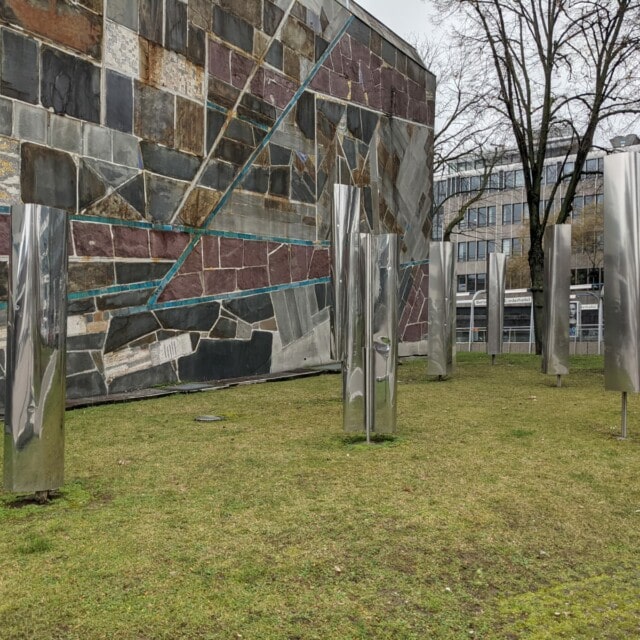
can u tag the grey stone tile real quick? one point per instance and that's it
(19, 74)
(97, 142)
(126, 150)
(125, 12)
(30, 123)
(65, 134)
(6, 117)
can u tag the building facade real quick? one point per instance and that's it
(195, 145)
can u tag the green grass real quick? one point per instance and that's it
(505, 508)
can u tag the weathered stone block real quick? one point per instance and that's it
(272, 17)
(48, 177)
(199, 204)
(70, 85)
(19, 72)
(31, 123)
(189, 126)
(167, 245)
(131, 242)
(163, 197)
(86, 276)
(6, 117)
(65, 133)
(97, 142)
(128, 272)
(119, 102)
(176, 26)
(90, 239)
(124, 12)
(210, 252)
(218, 281)
(154, 114)
(168, 162)
(126, 150)
(251, 309)
(183, 288)
(232, 29)
(122, 49)
(280, 266)
(123, 330)
(253, 278)
(199, 317)
(150, 17)
(231, 252)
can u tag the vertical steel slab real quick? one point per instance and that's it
(382, 307)
(353, 366)
(36, 339)
(622, 272)
(496, 278)
(442, 309)
(346, 220)
(557, 293)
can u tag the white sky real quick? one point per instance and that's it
(408, 18)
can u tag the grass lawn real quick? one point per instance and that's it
(505, 508)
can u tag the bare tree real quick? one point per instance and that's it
(551, 64)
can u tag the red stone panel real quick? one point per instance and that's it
(231, 252)
(253, 278)
(219, 281)
(131, 243)
(319, 267)
(93, 239)
(211, 252)
(165, 244)
(280, 265)
(255, 253)
(183, 288)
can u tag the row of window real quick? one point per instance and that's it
(475, 250)
(511, 179)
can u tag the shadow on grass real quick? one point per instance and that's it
(37, 500)
(376, 438)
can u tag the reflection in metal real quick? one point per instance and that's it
(557, 292)
(353, 378)
(442, 309)
(382, 309)
(36, 337)
(346, 220)
(496, 278)
(369, 369)
(621, 271)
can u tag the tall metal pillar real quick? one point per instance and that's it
(36, 339)
(442, 310)
(496, 279)
(622, 276)
(557, 293)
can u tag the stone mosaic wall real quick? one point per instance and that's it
(195, 145)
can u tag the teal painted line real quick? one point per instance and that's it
(3, 306)
(5, 210)
(117, 288)
(216, 107)
(151, 226)
(415, 263)
(252, 158)
(190, 302)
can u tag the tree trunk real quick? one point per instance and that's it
(536, 269)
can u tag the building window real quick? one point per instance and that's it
(517, 213)
(491, 216)
(471, 251)
(506, 214)
(482, 249)
(462, 284)
(491, 246)
(481, 281)
(551, 172)
(506, 246)
(482, 217)
(462, 252)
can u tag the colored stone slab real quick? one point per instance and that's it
(119, 102)
(91, 239)
(150, 16)
(131, 243)
(163, 197)
(232, 29)
(176, 26)
(19, 72)
(168, 245)
(70, 85)
(124, 12)
(154, 114)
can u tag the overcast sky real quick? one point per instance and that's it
(406, 17)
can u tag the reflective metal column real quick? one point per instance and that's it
(36, 338)
(557, 292)
(346, 220)
(382, 305)
(442, 309)
(622, 272)
(496, 278)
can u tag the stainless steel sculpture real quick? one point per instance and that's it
(346, 220)
(622, 276)
(381, 335)
(496, 278)
(442, 309)
(34, 420)
(370, 364)
(557, 292)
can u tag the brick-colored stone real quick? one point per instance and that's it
(231, 252)
(193, 264)
(183, 288)
(319, 267)
(253, 278)
(93, 240)
(280, 266)
(210, 252)
(168, 245)
(255, 253)
(130, 242)
(219, 281)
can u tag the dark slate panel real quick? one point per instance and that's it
(300, 190)
(215, 122)
(91, 186)
(133, 193)
(279, 155)
(349, 147)
(168, 162)
(19, 73)
(128, 272)
(257, 180)
(176, 26)
(80, 307)
(153, 377)
(272, 17)
(150, 16)
(240, 131)
(252, 309)
(70, 85)
(78, 361)
(234, 152)
(279, 182)
(218, 175)
(369, 121)
(275, 55)
(257, 110)
(233, 29)
(321, 296)
(222, 93)
(320, 47)
(48, 177)
(388, 53)
(359, 31)
(163, 197)
(124, 330)
(200, 317)
(85, 385)
(333, 111)
(125, 12)
(123, 300)
(90, 341)
(354, 122)
(154, 114)
(197, 46)
(368, 205)
(119, 102)
(223, 359)
(225, 329)
(6, 117)
(306, 115)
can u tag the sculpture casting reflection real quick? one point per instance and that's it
(496, 278)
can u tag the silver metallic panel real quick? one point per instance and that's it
(622, 272)
(36, 338)
(442, 309)
(496, 279)
(346, 220)
(353, 368)
(383, 309)
(557, 293)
